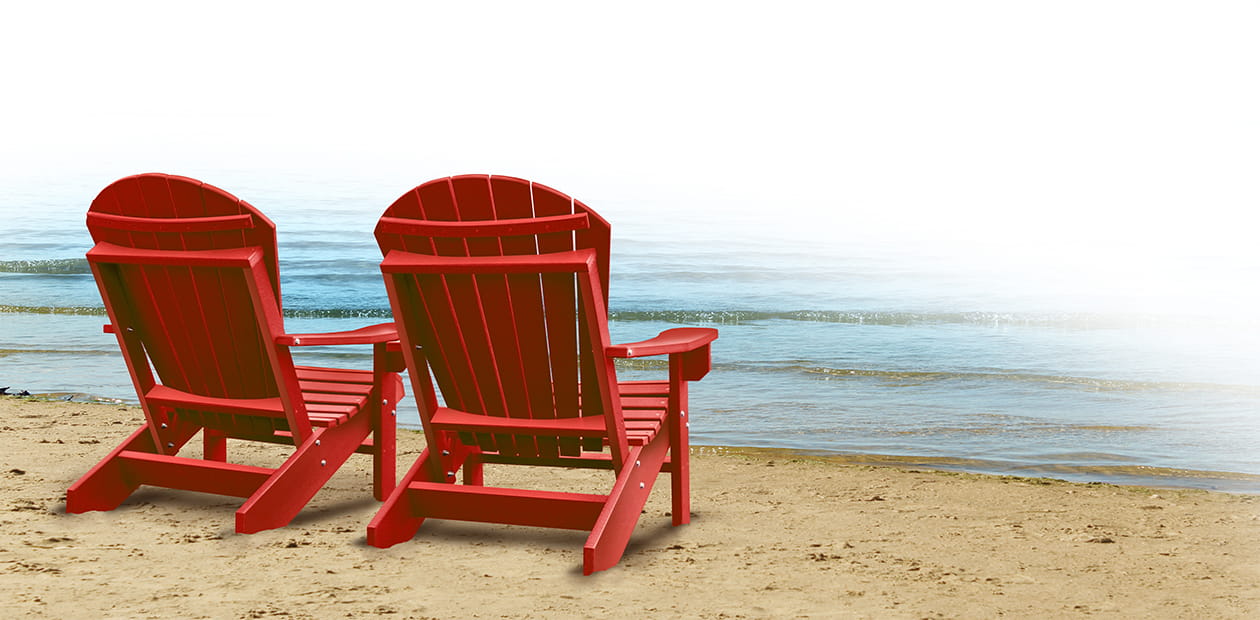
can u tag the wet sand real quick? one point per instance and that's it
(773, 536)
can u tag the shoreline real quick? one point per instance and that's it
(1147, 476)
(772, 536)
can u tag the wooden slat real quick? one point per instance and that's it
(220, 372)
(489, 294)
(538, 398)
(561, 334)
(644, 402)
(488, 228)
(193, 474)
(327, 420)
(443, 342)
(572, 511)
(163, 333)
(549, 203)
(106, 252)
(354, 400)
(559, 299)
(171, 397)
(643, 388)
(474, 329)
(567, 427)
(155, 192)
(438, 203)
(513, 201)
(203, 293)
(358, 389)
(251, 367)
(337, 375)
(171, 224)
(570, 262)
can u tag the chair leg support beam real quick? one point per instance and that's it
(569, 511)
(105, 486)
(294, 483)
(108, 484)
(608, 539)
(173, 472)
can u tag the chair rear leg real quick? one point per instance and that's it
(474, 470)
(214, 445)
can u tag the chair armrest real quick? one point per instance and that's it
(677, 340)
(385, 332)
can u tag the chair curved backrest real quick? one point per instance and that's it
(524, 346)
(176, 315)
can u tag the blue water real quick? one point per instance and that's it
(867, 347)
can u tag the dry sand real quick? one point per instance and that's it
(773, 536)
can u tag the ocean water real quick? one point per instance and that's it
(869, 348)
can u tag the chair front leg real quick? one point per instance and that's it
(679, 444)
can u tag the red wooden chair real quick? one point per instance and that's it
(189, 278)
(499, 289)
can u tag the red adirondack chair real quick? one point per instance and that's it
(499, 289)
(189, 278)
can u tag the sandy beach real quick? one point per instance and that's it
(773, 536)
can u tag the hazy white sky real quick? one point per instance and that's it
(1046, 125)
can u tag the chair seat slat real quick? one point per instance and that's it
(562, 427)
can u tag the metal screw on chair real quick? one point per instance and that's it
(164, 425)
(170, 444)
(637, 464)
(450, 474)
(317, 442)
(684, 414)
(641, 485)
(446, 453)
(385, 402)
(323, 463)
